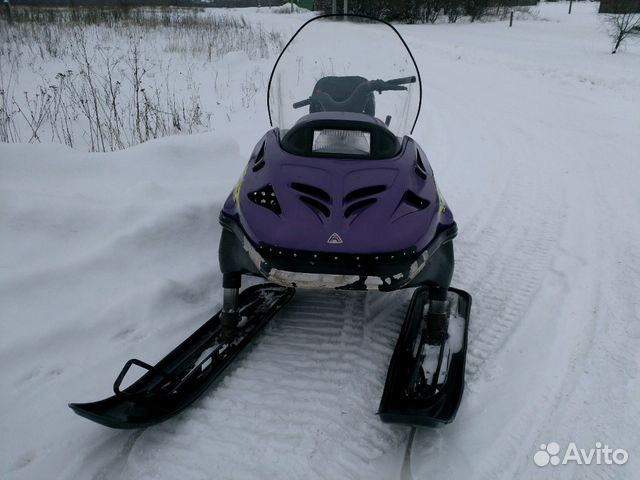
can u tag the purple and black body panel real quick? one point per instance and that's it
(319, 221)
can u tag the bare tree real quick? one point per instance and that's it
(453, 9)
(7, 10)
(476, 9)
(622, 26)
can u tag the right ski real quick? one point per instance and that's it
(187, 371)
(405, 399)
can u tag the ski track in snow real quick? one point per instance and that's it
(524, 259)
(501, 259)
(535, 157)
(515, 258)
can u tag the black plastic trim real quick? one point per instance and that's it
(298, 140)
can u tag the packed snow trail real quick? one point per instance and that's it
(532, 134)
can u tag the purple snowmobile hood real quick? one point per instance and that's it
(338, 205)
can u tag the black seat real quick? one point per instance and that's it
(341, 88)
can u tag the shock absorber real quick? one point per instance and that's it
(229, 316)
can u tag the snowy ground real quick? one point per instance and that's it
(533, 134)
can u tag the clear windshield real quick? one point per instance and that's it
(330, 58)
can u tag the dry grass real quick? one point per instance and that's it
(114, 84)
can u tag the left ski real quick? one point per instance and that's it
(187, 371)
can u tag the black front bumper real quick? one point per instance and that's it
(303, 268)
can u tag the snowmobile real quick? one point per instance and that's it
(336, 195)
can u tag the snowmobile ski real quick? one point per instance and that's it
(186, 372)
(419, 393)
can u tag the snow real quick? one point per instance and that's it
(533, 135)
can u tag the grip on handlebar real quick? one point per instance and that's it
(403, 80)
(302, 103)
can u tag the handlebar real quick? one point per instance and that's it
(403, 80)
(302, 103)
(361, 90)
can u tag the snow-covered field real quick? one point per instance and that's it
(534, 135)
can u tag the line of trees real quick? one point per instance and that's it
(426, 11)
(145, 3)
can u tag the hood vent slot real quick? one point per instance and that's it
(364, 192)
(314, 197)
(421, 171)
(259, 161)
(415, 201)
(316, 205)
(312, 191)
(358, 206)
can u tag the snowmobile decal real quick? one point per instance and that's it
(238, 187)
(443, 207)
(442, 204)
(335, 239)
